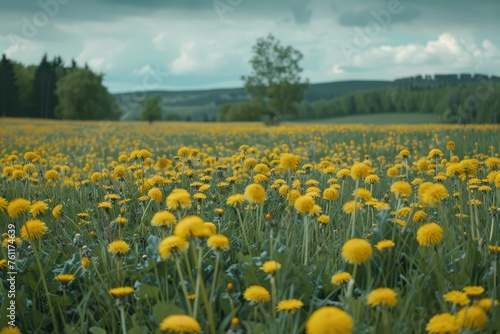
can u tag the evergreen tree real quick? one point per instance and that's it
(9, 96)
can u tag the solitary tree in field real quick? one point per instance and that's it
(151, 110)
(275, 81)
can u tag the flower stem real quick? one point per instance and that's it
(122, 319)
(183, 286)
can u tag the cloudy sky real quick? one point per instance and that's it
(193, 44)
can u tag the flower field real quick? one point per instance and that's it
(126, 227)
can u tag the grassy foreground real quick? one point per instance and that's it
(214, 228)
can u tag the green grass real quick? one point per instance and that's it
(381, 119)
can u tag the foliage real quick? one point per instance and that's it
(151, 110)
(240, 112)
(9, 102)
(275, 83)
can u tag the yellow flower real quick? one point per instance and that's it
(419, 216)
(357, 251)
(289, 305)
(329, 320)
(404, 154)
(289, 161)
(330, 194)
(486, 303)
(179, 199)
(431, 194)
(235, 199)
(372, 178)
(51, 175)
(256, 294)
(323, 219)
(472, 317)
(17, 207)
(172, 245)
(349, 206)
(191, 227)
(457, 297)
(155, 194)
(121, 292)
(57, 211)
(38, 208)
(255, 193)
(435, 153)
(384, 244)
(85, 262)
(64, 278)
(444, 323)
(118, 247)
(163, 218)
(180, 323)
(33, 229)
(218, 242)
(382, 297)
(341, 278)
(359, 171)
(10, 330)
(270, 267)
(3, 263)
(429, 234)
(304, 204)
(3, 204)
(401, 188)
(473, 291)
(105, 205)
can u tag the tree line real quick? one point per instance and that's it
(53, 90)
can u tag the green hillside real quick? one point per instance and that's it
(381, 119)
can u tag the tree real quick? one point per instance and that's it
(82, 96)
(44, 86)
(275, 82)
(151, 110)
(9, 97)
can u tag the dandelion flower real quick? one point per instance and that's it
(457, 297)
(105, 205)
(384, 244)
(218, 242)
(289, 161)
(341, 278)
(180, 323)
(382, 297)
(289, 305)
(122, 291)
(472, 317)
(191, 227)
(349, 206)
(172, 245)
(474, 291)
(118, 247)
(270, 267)
(10, 330)
(329, 320)
(429, 234)
(235, 199)
(65, 278)
(3, 204)
(17, 207)
(486, 303)
(360, 171)
(304, 204)
(179, 199)
(256, 294)
(33, 229)
(155, 194)
(401, 188)
(431, 194)
(357, 251)
(38, 208)
(444, 323)
(57, 211)
(163, 218)
(255, 193)
(330, 194)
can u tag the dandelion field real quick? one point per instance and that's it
(126, 227)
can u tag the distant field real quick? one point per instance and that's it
(398, 118)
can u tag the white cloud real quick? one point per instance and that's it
(146, 69)
(100, 54)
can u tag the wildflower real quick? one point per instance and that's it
(10, 330)
(121, 292)
(218, 242)
(105, 205)
(163, 218)
(419, 216)
(256, 294)
(270, 267)
(255, 193)
(431, 194)
(179, 199)
(38, 208)
(363, 194)
(435, 153)
(289, 305)
(472, 317)
(304, 204)
(211, 228)
(486, 303)
(473, 291)
(119, 172)
(323, 219)
(191, 227)
(372, 178)
(329, 320)
(118, 247)
(289, 161)
(457, 297)
(349, 206)
(356, 251)
(57, 211)
(121, 220)
(172, 245)
(85, 262)
(3, 204)
(155, 194)
(180, 323)
(404, 154)
(64, 278)
(33, 229)
(341, 278)
(17, 207)
(401, 188)
(382, 297)
(330, 194)
(429, 234)
(384, 244)
(235, 200)
(444, 323)
(359, 171)
(51, 175)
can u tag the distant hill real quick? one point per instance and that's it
(200, 104)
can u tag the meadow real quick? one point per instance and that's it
(127, 227)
